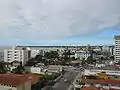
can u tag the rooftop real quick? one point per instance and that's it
(101, 81)
(17, 79)
(95, 88)
(90, 88)
(104, 68)
(117, 37)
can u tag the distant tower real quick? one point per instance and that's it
(88, 48)
(117, 49)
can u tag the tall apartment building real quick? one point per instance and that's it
(117, 49)
(16, 54)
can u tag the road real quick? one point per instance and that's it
(70, 76)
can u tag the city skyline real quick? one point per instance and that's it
(68, 22)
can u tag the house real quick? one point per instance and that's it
(17, 81)
(52, 69)
(102, 81)
(37, 70)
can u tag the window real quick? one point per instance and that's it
(13, 86)
(16, 55)
(2, 84)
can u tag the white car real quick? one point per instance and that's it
(65, 80)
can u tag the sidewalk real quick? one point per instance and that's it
(55, 80)
(71, 87)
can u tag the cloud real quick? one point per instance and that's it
(51, 20)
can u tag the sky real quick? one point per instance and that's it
(59, 22)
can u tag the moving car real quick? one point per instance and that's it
(65, 80)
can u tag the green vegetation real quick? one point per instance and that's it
(19, 70)
(45, 80)
(2, 69)
(51, 54)
(51, 58)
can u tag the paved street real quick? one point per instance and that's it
(61, 84)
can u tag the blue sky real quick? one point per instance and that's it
(105, 37)
(59, 22)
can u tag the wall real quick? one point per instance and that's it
(2, 87)
(37, 70)
(109, 72)
(24, 86)
(16, 55)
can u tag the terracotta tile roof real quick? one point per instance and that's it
(53, 69)
(12, 79)
(113, 89)
(17, 79)
(101, 81)
(33, 78)
(95, 88)
(90, 88)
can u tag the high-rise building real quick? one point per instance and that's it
(16, 54)
(117, 49)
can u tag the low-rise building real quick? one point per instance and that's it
(115, 72)
(102, 81)
(17, 82)
(52, 69)
(34, 53)
(36, 70)
(82, 54)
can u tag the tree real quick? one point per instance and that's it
(66, 55)
(38, 58)
(83, 63)
(19, 70)
(2, 68)
(51, 54)
(90, 60)
(31, 62)
(73, 58)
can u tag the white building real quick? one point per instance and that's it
(54, 69)
(34, 52)
(82, 54)
(16, 54)
(112, 50)
(97, 49)
(117, 49)
(36, 70)
(95, 71)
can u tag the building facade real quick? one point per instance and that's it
(95, 71)
(14, 82)
(36, 70)
(16, 54)
(82, 54)
(18, 81)
(117, 49)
